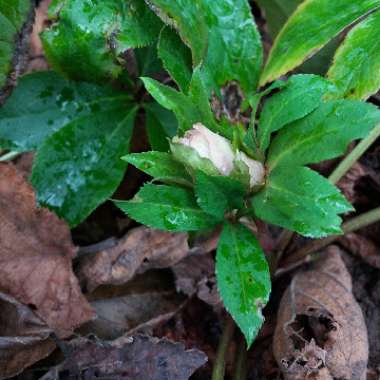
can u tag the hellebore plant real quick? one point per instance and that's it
(230, 141)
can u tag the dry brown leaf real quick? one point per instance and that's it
(196, 275)
(363, 247)
(349, 181)
(320, 332)
(132, 358)
(35, 257)
(141, 249)
(24, 338)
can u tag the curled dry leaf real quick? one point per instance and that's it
(35, 257)
(138, 357)
(24, 337)
(349, 181)
(196, 275)
(141, 249)
(320, 332)
(362, 247)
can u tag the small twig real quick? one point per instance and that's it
(354, 156)
(352, 225)
(97, 247)
(241, 362)
(220, 361)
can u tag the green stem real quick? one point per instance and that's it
(220, 361)
(354, 156)
(241, 363)
(9, 156)
(352, 225)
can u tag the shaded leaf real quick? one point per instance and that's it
(314, 23)
(44, 102)
(161, 124)
(147, 61)
(161, 166)
(186, 17)
(31, 259)
(218, 194)
(356, 67)
(167, 208)
(243, 278)
(176, 57)
(13, 16)
(127, 358)
(24, 337)
(87, 38)
(301, 95)
(301, 200)
(140, 250)
(277, 12)
(323, 134)
(79, 167)
(320, 326)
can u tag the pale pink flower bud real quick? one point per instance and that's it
(255, 168)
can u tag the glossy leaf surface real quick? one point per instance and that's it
(314, 23)
(323, 134)
(243, 278)
(218, 194)
(86, 40)
(167, 208)
(13, 15)
(301, 95)
(234, 46)
(301, 200)
(161, 166)
(356, 67)
(44, 102)
(79, 167)
(187, 18)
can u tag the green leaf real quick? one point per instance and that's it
(161, 124)
(189, 108)
(302, 94)
(159, 165)
(147, 61)
(13, 15)
(301, 200)
(44, 102)
(356, 67)
(314, 23)
(167, 208)
(323, 134)
(218, 194)
(187, 18)
(79, 167)
(243, 278)
(234, 46)
(88, 38)
(176, 58)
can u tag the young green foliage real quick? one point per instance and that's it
(313, 24)
(167, 208)
(243, 278)
(356, 67)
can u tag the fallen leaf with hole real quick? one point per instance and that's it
(320, 332)
(141, 249)
(132, 358)
(35, 257)
(24, 337)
